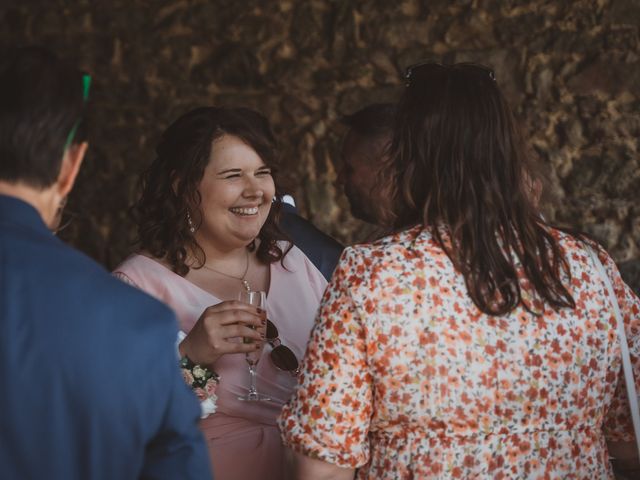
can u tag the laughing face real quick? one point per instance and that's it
(237, 190)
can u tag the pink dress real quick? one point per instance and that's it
(404, 378)
(243, 438)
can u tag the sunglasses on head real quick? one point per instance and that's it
(281, 356)
(86, 85)
(422, 67)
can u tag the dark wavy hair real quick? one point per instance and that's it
(170, 185)
(460, 168)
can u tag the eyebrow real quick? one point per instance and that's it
(239, 170)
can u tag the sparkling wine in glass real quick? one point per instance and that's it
(259, 300)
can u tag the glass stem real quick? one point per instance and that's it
(252, 389)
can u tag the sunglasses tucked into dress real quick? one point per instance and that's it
(281, 355)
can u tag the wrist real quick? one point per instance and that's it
(203, 382)
(184, 350)
(201, 374)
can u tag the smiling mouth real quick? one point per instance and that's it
(245, 211)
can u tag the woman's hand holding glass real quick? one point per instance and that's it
(216, 332)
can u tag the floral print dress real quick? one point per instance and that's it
(405, 378)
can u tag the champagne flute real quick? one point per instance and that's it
(259, 300)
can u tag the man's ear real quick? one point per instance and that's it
(73, 157)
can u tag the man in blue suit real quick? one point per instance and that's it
(323, 250)
(90, 386)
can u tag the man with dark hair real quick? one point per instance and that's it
(88, 371)
(364, 148)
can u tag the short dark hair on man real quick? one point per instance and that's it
(41, 100)
(373, 120)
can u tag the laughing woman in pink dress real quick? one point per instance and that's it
(477, 342)
(207, 223)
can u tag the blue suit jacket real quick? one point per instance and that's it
(90, 386)
(323, 250)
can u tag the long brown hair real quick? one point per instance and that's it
(460, 168)
(170, 185)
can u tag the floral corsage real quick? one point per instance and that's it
(203, 382)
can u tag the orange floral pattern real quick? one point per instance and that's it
(405, 378)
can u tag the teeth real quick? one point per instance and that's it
(245, 211)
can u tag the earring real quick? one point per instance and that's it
(192, 228)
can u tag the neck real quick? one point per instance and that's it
(216, 251)
(226, 259)
(43, 200)
(230, 267)
(232, 257)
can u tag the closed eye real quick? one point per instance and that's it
(230, 173)
(263, 171)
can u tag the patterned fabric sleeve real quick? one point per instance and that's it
(328, 417)
(618, 426)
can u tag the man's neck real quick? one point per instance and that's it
(41, 199)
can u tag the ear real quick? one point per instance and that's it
(73, 157)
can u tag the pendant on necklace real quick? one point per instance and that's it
(246, 286)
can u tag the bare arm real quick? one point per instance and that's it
(307, 468)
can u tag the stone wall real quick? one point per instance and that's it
(571, 70)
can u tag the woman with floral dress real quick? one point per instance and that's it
(477, 341)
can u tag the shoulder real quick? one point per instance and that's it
(77, 287)
(132, 305)
(144, 272)
(581, 253)
(319, 247)
(398, 246)
(297, 263)
(294, 255)
(578, 249)
(138, 263)
(303, 231)
(296, 259)
(129, 320)
(391, 260)
(82, 311)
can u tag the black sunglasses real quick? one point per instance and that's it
(281, 356)
(412, 70)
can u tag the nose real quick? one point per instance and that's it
(252, 188)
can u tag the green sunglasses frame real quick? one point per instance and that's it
(86, 86)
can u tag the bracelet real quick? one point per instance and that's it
(201, 375)
(203, 382)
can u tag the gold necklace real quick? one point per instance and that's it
(241, 279)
